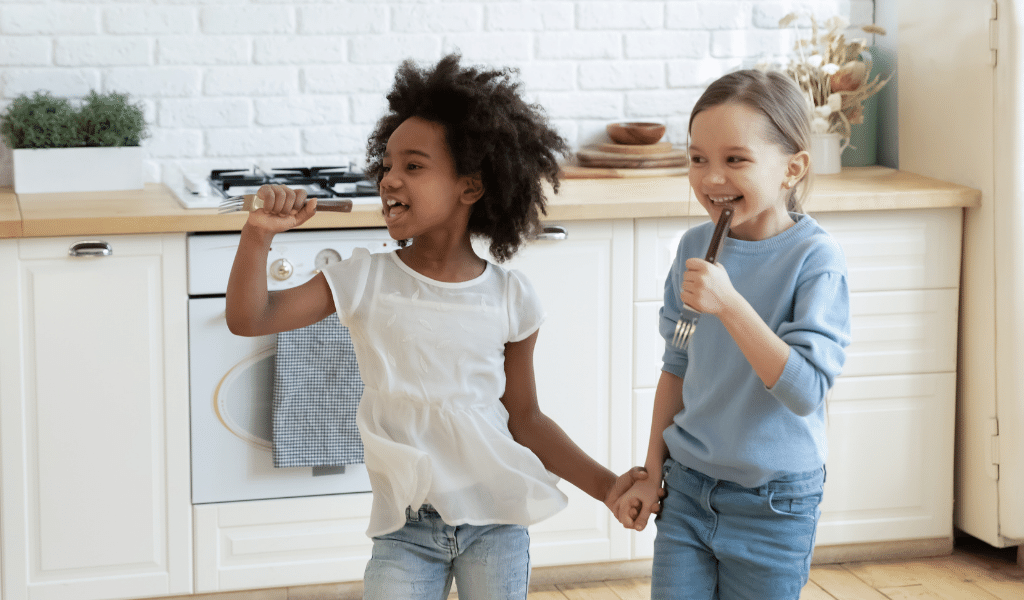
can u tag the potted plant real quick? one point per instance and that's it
(60, 148)
(836, 77)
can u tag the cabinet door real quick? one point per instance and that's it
(890, 460)
(94, 417)
(583, 375)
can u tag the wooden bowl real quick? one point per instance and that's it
(635, 133)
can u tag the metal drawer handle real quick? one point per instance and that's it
(552, 233)
(90, 248)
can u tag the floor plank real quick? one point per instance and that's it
(955, 583)
(883, 574)
(811, 591)
(631, 589)
(586, 591)
(909, 592)
(544, 592)
(842, 584)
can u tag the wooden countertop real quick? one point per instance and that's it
(10, 214)
(155, 209)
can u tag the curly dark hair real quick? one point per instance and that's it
(489, 130)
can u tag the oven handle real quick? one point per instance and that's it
(90, 248)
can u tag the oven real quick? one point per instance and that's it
(232, 377)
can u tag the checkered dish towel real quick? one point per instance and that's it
(316, 393)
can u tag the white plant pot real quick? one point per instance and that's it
(77, 169)
(826, 153)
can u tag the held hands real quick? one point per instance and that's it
(643, 499)
(706, 287)
(283, 209)
(627, 502)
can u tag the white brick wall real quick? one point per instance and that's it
(229, 83)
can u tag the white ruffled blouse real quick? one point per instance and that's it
(432, 358)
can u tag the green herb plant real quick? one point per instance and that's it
(111, 120)
(40, 121)
(43, 121)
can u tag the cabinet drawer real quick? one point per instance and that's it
(277, 543)
(892, 332)
(890, 463)
(899, 250)
(902, 332)
(120, 245)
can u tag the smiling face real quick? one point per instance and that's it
(420, 189)
(735, 163)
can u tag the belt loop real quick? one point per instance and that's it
(412, 515)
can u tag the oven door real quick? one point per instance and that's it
(232, 382)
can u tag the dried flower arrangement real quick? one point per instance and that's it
(834, 74)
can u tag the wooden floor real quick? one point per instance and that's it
(974, 571)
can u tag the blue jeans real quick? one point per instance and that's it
(420, 560)
(719, 540)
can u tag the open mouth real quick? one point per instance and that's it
(393, 208)
(724, 200)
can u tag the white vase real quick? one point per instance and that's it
(47, 170)
(826, 153)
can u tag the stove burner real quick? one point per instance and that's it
(311, 171)
(319, 182)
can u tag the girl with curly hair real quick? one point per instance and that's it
(461, 458)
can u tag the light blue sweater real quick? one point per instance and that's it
(732, 427)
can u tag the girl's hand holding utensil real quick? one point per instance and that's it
(688, 316)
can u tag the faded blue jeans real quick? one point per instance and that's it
(718, 540)
(419, 561)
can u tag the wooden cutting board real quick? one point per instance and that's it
(596, 158)
(579, 172)
(656, 148)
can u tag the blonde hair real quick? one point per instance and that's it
(779, 99)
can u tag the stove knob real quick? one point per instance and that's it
(281, 269)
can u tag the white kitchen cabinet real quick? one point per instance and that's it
(890, 414)
(582, 369)
(94, 448)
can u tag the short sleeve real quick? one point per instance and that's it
(347, 280)
(525, 313)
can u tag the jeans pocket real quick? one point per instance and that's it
(794, 505)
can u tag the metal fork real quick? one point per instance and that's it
(688, 317)
(251, 202)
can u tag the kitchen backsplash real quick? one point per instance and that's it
(238, 82)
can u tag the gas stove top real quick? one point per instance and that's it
(319, 182)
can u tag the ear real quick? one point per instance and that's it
(797, 167)
(472, 188)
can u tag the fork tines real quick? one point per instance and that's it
(682, 333)
(232, 204)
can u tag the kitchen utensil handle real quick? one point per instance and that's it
(333, 205)
(718, 237)
(322, 204)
